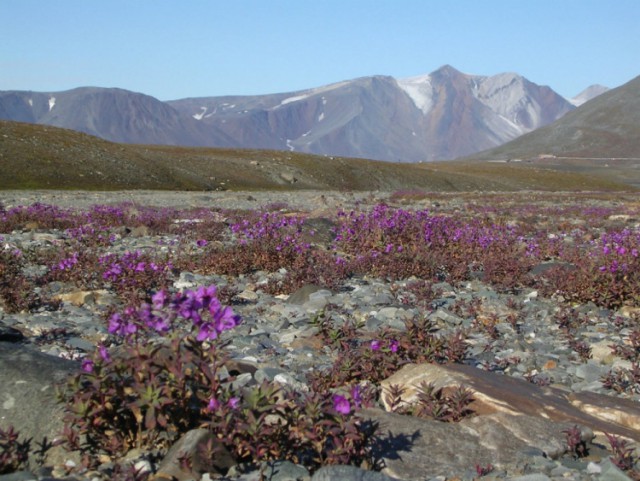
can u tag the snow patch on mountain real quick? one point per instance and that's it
(309, 93)
(200, 115)
(294, 99)
(420, 90)
(52, 103)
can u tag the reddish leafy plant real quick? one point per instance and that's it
(14, 453)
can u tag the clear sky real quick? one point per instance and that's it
(174, 49)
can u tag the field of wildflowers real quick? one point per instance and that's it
(163, 369)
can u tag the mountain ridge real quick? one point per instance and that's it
(442, 115)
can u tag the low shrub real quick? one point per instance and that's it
(161, 382)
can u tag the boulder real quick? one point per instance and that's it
(496, 393)
(194, 447)
(348, 473)
(10, 334)
(303, 294)
(28, 380)
(80, 298)
(412, 448)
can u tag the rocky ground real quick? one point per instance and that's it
(530, 386)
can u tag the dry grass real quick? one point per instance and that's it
(43, 157)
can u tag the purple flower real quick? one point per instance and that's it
(206, 332)
(104, 353)
(115, 323)
(393, 345)
(159, 299)
(207, 295)
(225, 319)
(113, 272)
(375, 345)
(119, 326)
(234, 402)
(356, 397)
(341, 404)
(213, 405)
(188, 306)
(87, 365)
(201, 242)
(159, 324)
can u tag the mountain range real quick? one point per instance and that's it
(443, 115)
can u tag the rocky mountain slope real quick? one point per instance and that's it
(112, 114)
(606, 127)
(443, 115)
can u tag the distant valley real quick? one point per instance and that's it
(440, 116)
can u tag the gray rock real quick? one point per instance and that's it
(590, 371)
(27, 394)
(10, 334)
(505, 394)
(302, 295)
(286, 471)
(196, 444)
(18, 476)
(349, 473)
(319, 230)
(445, 316)
(267, 374)
(531, 477)
(611, 472)
(82, 344)
(412, 448)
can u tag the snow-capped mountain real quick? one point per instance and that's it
(443, 115)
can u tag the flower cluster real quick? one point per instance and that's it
(152, 390)
(134, 275)
(284, 232)
(208, 317)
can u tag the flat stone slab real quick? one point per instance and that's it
(494, 393)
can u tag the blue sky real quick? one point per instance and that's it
(173, 49)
